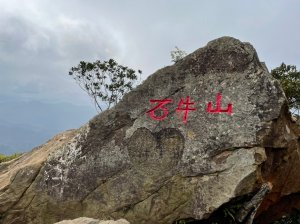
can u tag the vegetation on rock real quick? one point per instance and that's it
(177, 54)
(289, 78)
(292, 219)
(5, 158)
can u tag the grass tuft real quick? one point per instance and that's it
(5, 158)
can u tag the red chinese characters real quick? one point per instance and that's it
(219, 106)
(161, 106)
(186, 106)
(186, 109)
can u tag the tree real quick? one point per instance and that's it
(105, 81)
(289, 78)
(177, 54)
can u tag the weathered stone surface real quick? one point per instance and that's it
(83, 220)
(17, 176)
(123, 164)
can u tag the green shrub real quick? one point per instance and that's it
(5, 158)
(289, 78)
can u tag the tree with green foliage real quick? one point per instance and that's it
(289, 78)
(104, 81)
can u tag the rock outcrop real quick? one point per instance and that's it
(125, 164)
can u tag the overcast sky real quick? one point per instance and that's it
(41, 39)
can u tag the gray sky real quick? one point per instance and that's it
(41, 39)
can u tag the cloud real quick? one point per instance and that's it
(36, 55)
(41, 39)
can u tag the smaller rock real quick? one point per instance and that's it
(84, 220)
(119, 221)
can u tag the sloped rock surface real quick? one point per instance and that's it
(123, 164)
(83, 220)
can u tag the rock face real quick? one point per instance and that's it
(124, 164)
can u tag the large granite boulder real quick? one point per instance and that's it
(136, 163)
